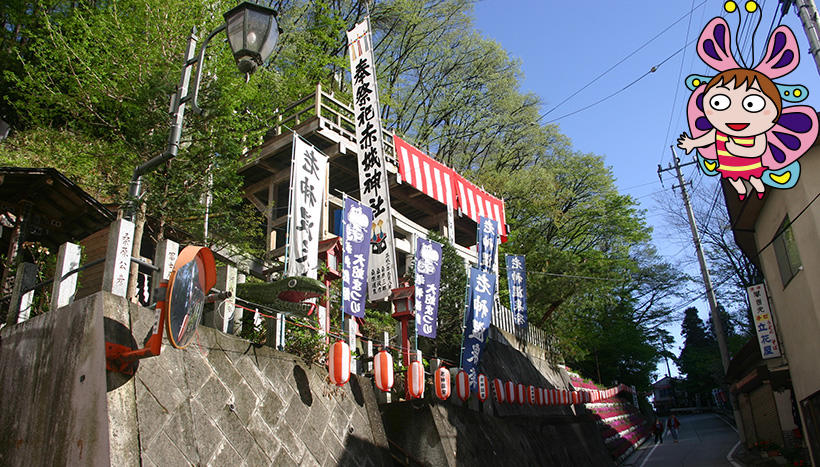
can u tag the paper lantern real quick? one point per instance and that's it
(575, 397)
(531, 395)
(539, 396)
(415, 380)
(498, 389)
(463, 385)
(520, 393)
(555, 397)
(339, 363)
(483, 387)
(383, 370)
(442, 382)
(509, 392)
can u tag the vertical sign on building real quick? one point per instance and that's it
(428, 275)
(357, 222)
(373, 185)
(308, 168)
(764, 323)
(480, 298)
(487, 244)
(517, 284)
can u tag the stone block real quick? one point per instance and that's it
(339, 421)
(207, 436)
(263, 435)
(225, 454)
(334, 446)
(271, 409)
(224, 367)
(244, 400)
(151, 415)
(284, 460)
(291, 442)
(181, 429)
(163, 385)
(163, 451)
(313, 430)
(309, 461)
(233, 429)
(297, 413)
(256, 457)
(214, 397)
(253, 375)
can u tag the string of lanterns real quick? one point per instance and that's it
(339, 363)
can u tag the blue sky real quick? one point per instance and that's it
(563, 46)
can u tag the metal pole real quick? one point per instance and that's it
(807, 11)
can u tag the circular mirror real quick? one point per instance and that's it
(192, 278)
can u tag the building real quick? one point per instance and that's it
(780, 234)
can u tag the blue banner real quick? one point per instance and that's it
(357, 225)
(517, 284)
(480, 299)
(487, 240)
(428, 275)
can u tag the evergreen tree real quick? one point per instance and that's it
(700, 358)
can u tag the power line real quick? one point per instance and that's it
(651, 70)
(601, 75)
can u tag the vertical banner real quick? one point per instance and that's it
(487, 240)
(428, 275)
(373, 184)
(764, 323)
(307, 196)
(517, 284)
(356, 244)
(480, 298)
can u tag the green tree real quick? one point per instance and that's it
(699, 359)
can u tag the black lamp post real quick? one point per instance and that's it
(252, 34)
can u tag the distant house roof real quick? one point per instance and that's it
(60, 210)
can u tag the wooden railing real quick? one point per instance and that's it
(336, 115)
(504, 320)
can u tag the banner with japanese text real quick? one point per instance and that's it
(517, 285)
(480, 299)
(763, 321)
(357, 221)
(307, 189)
(373, 184)
(487, 239)
(428, 275)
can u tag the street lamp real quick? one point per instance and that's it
(252, 34)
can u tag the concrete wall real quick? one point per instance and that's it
(432, 432)
(52, 374)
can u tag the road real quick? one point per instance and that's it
(704, 440)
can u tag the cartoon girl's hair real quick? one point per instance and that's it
(745, 77)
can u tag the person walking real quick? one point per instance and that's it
(658, 430)
(673, 424)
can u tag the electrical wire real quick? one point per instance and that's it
(601, 75)
(651, 70)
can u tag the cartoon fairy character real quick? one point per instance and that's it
(738, 122)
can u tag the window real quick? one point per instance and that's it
(785, 250)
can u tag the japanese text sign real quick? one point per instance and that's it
(517, 284)
(307, 183)
(373, 184)
(428, 275)
(487, 239)
(480, 299)
(763, 321)
(356, 244)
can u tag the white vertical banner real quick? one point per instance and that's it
(305, 210)
(373, 183)
(764, 321)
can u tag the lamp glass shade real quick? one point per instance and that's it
(252, 33)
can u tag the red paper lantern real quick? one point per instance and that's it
(499, 390)
(554, 397)
(442, 382)
(415, 380)
(463, 385)
(575, 397)
(521, 393)
(339, 363)
(483, 387)
(509, 392)
(539, 396)
(531, 395)
(383, 370)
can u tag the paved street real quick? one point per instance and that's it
(704, 441)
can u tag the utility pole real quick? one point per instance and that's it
(807, 11)
(710, 292)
